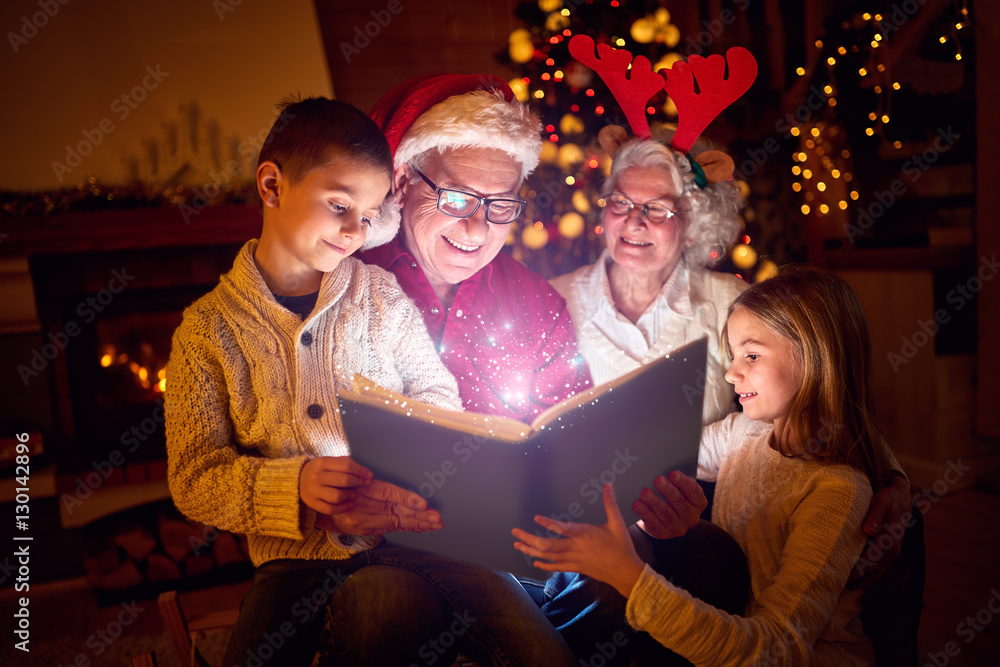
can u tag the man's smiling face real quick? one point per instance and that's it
(450, 250)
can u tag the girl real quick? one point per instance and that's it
(795, 475)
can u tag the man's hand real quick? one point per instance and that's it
(888, 516)
(677, 508)
(350, 501)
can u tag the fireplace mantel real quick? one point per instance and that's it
(128, 229)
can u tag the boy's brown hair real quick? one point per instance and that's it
(308, 133)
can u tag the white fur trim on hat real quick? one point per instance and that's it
(385, 225)
(480, 119)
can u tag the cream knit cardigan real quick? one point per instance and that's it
(248, 401)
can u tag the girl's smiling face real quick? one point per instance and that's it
(766, 370)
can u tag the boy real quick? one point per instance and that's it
(254, 441)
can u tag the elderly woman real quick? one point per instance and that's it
(650, 292)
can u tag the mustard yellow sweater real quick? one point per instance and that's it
(799, 523)
(250, 397)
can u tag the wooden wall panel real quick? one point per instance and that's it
(987, 22)
(424, 37)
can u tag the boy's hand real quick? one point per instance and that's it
(349, 500)
(603, 552)
(678, 510)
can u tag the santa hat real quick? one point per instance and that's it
(441, 111)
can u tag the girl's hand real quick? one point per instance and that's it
(603, 552)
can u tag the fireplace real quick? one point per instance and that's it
(110, 289)
(109, 318)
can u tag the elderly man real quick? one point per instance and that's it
(462, 148)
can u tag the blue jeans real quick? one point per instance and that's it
(390, 606)
(590, 614)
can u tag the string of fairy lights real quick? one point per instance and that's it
(822, 162)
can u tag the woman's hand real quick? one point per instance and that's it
(676, 509)
(889, 515)
(603, 552)
(350, 501)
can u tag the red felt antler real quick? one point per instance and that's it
(695, 110)
(612, 65)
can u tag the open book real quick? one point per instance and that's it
(488, 474)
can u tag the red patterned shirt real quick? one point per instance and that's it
(508, 338)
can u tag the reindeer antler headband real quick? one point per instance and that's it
(633, 82)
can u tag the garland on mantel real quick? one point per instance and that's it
(93, 196)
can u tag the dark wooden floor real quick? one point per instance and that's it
(963, 576)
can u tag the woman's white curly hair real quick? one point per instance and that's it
(714, 222)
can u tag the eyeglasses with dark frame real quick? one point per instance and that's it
(652, 211)
(459, 204)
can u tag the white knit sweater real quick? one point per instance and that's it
(250, 396)
(692, 304)
(799, 523)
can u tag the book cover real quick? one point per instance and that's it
(487, 475)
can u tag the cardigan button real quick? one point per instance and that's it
(307, 338)
(435, 310)
(413, 265)
(347, 540)
(315, 411)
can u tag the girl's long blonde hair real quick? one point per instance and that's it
(832, 417)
